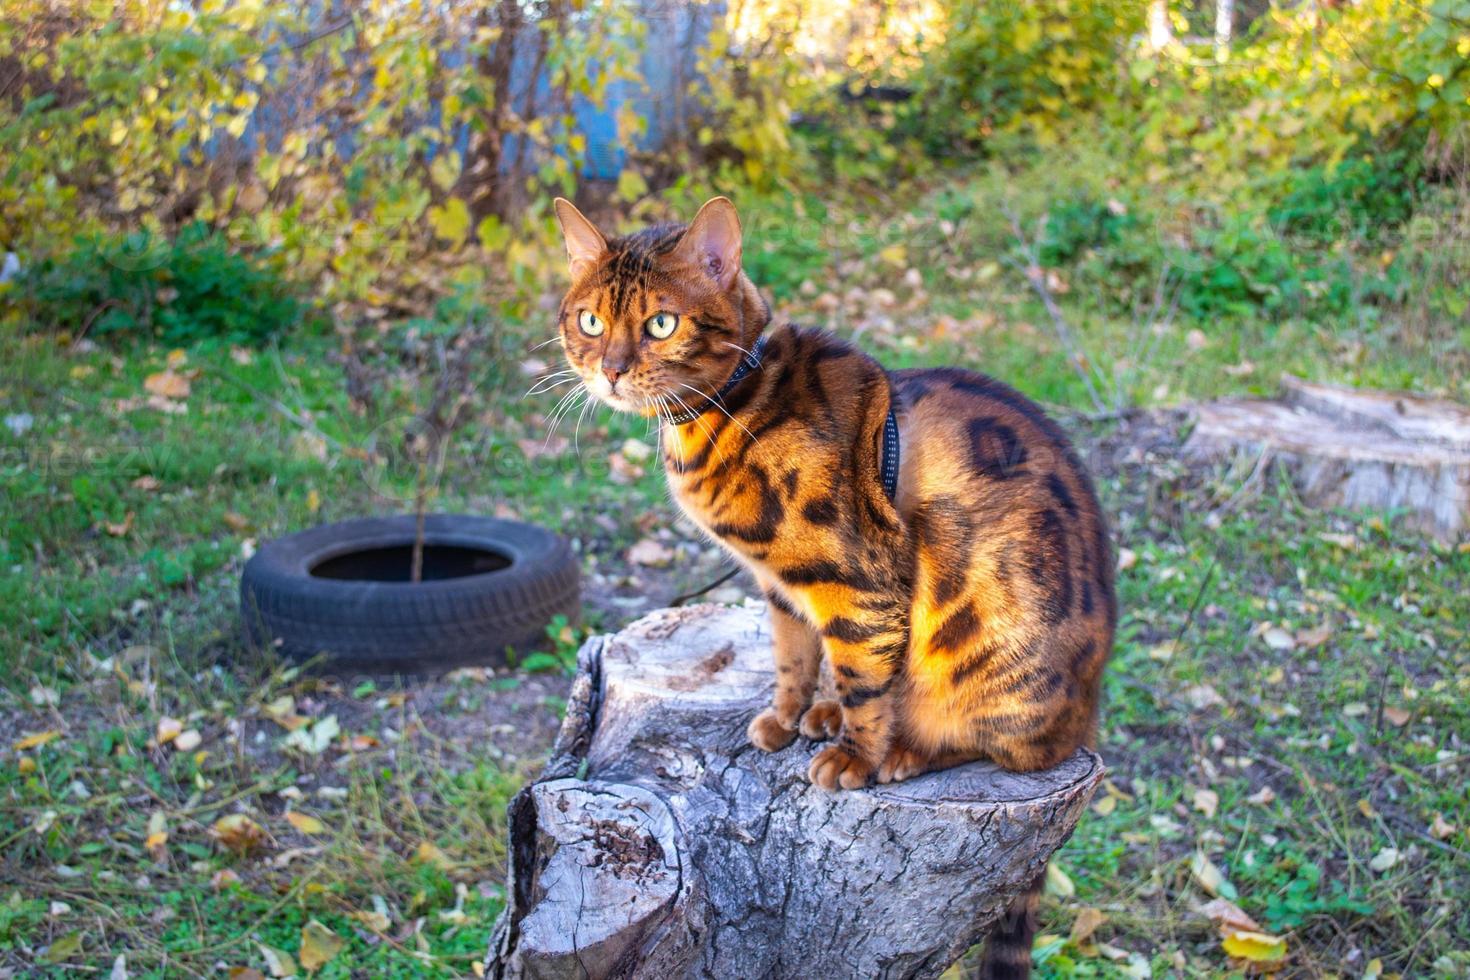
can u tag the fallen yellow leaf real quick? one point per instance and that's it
(168, 730)
(37, 740)
(1058, 883)
(305, 823)
(238, 833)
(188, 740)
(1314, 637)
(430, 854)
(373, 919)
(1206, 801)
(1208, 877)
(318, 945)
(1397, 717)
(167, 384)
(1085, 925)
(1257, 947)
(1228, 916)
(278, 961)
(894, 255)
(1440, 828)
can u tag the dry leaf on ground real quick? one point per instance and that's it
(319, 945)
(167, 384)
(36, 740)
(305, 823)
(1257, 947)
(1228, 916)
(1086, 924)
(650, 553)
(238, 833)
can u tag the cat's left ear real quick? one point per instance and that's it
(712, 241)
(585, 243)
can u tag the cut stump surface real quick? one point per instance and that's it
(1353, 448)
(660, 843)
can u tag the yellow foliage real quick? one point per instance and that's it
(150, 114)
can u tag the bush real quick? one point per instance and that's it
(189, 289)
(1079, 224)
(1011, 67)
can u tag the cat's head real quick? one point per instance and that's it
(657, 319)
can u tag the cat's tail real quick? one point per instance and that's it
(1008, 947)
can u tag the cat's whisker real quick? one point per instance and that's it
(665, 414)
(579, 407)
(566, 404)
(549, 382)
(739, 348)
(668, 416)
(553, 376)
(577, 430)
(560, 403)
(722, 408)
(553, 340)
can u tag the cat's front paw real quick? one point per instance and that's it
(902, 763)
(835, 766)
(822, 720)
(767, 733)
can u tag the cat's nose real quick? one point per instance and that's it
(613, 373)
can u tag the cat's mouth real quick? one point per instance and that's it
(621, 397)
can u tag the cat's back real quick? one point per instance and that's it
(1013, 600)
(985, 468)
(986, 433)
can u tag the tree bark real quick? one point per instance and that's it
(660, 843)
(1353, 448)
(1160, 31)
(1224, 25)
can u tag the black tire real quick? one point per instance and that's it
(403, 627)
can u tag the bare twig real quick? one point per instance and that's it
(1037, 278)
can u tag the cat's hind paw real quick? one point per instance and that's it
(835, 766)
(767, 733)
(822, 720)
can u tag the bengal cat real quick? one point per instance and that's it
(967, 617)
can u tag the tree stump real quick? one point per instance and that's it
(659, 843)
(1353, 448)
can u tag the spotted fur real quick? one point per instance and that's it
(969, 617)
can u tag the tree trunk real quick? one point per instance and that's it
(659, 843)
(1224, 27)
(1354, 448)
(1160, 31)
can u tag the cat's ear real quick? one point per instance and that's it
(712, 241)
(585, 244)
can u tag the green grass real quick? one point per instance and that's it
(114, 622)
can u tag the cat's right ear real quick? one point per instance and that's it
(585, 244)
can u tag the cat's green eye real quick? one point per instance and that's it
(661, 325)
(590, 324)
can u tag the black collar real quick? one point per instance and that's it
(750, 362)
(888, 466)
